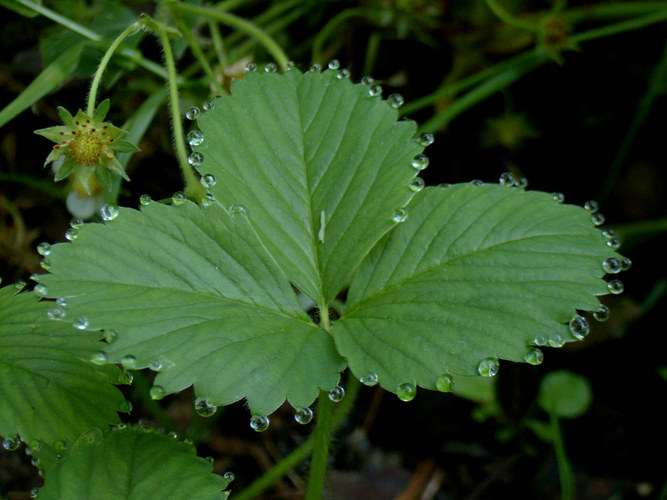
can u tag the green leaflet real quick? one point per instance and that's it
(320, 165)
(475, 272)
(192, 292)
(49, 393)
(132, 464)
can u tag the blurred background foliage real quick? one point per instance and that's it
(570, 95)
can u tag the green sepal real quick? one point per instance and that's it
(64, 170)
(56, 134)
(123, 146)
(102, 110)
(65, 116)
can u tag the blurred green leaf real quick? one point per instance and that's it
(565, 394)
(20, 9)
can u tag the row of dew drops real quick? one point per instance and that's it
(405, 391)
(13, 443)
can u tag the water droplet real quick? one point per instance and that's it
(56, 313)
(334, 64)
(125, 378)
(99, 358)
(416, 184)
(145, 200)
(303, 415)
(521, 182)
(337, 394)
(178, 198)
(367, 80)
(60, 445)
(157, 392)
(488, 367)
(290, 65)
(626, 263)
(195, 137)
(110, 336)
(204, 408)
(598, 219)
(614, 243)
(237, 209)
(128, 362)
(71, 234)
(608, 234)
(506, 179)
(35, 461)
(270, 68)
(229, 476)
(592, 206)
(35, 445)
(370, 379)
(534, 356)
(406, 391)
(45, 263)
(540, 340)
(395, 100)
(34, 493)
(155, 365)
(208, 105)
(61, 301)
(315, 68)
(250, 67)
(208, 181)
(420, 162)
(108, 212)
(602, 314)
(259, 423)
(558, 197)
(11, 443)
(196, 159)
(80, 323)
(192, 113)
(375, 90)
(41, 290)
(173, 435)
(477, 182)
(556, 340)
(210, 459)
(425, 139)
(579, 327)
(76, 222)
(44, 249)
(400, 215)
(207, 200)
(615, 286)
(444, 383)
(612, 265)
(343, 74)
(20, 285)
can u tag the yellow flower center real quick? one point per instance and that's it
(86, 146)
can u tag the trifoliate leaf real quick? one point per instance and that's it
(320, 165)
(476, 273)
(50, 391)
(193, 294)
(132, 464)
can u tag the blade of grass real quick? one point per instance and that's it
(46, 82)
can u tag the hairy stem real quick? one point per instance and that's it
(193, 188)
(94, 86)
(321, 441)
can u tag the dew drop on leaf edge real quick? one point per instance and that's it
(259, 423)
(444, 383)
(370, 379)
(488, 367)
(157, 392)
(534, 356)
(303, 415)
(406, 391)
(337, 394)
(579, 327)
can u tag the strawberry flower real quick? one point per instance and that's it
(86, 148)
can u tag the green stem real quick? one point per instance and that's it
(321, 442)
(193, 188)
(614, 29)
(565, 473)
(236, 22)
(330, 27)
(613, 10)
(372, 49)
(127, 53)
(92, 95)
(218, 44)
(508, 18)
(303, 451)
(197, 51)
